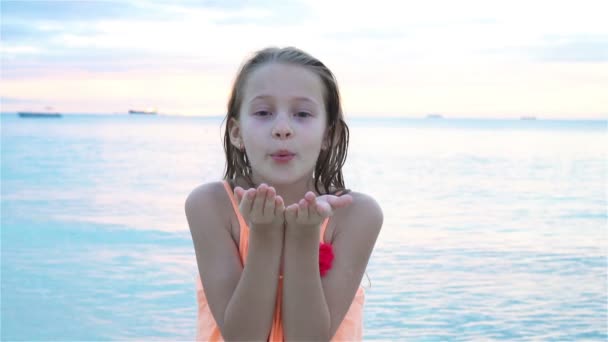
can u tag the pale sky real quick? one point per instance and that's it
(485, 59)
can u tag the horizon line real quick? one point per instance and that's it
(429, 116)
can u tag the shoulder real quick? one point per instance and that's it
(208, 193)
(364, 207)
(365, 204)
(206, 203)
(363, 217)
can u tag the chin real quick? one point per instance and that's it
(281, 179)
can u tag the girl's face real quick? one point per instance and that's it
(282, 123)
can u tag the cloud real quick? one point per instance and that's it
(434, 31)
(96, 35)
(65, 11)
(377, 48)
(581, 48)
(19, 101)
(577, 48)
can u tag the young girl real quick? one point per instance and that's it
(281, 245)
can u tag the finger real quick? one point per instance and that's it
(270, 202)
(314, 213)
(260, 198)
(291, 212)
(310, 197)
(238, 193)
(340, 202)
(247, 202)
(324, 209)
(279, 205)
(303, 209)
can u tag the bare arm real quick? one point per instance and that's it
(305, 312)
(241, 299)
(314, 307)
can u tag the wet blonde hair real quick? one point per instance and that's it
(328, 176)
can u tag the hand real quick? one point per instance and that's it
(312, 210)
(261, 206)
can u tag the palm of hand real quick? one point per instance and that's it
(262, 206)
(312, 210)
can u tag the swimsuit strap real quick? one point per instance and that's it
(243, 227)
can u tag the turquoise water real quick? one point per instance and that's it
(494, 229)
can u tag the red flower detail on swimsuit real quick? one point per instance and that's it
(326, 257)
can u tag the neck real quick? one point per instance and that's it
(293, 193)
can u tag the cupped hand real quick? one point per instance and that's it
(312, 209)
(261, 206)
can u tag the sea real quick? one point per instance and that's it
(494, 229)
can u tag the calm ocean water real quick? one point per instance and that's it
(494, 229)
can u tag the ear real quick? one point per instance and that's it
(234, 131)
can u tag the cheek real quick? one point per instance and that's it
(313, 145)
(255, 147)
(250, 134)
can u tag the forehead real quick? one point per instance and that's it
(283, 81)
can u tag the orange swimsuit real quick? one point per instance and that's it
(351, 328)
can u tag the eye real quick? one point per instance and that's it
(303, 114)
(262, 113)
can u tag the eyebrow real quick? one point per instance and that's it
(299, 98)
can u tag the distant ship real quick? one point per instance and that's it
(39, 114)
(528, 118)
(434, 116)
(145, 112)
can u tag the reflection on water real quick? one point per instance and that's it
(493, 230)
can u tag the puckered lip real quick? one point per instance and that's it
(282, 153)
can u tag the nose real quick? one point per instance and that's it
(282, 129)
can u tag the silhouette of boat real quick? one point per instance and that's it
(434, 116)
(143, 112)
(38, 115)
(528, 118)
